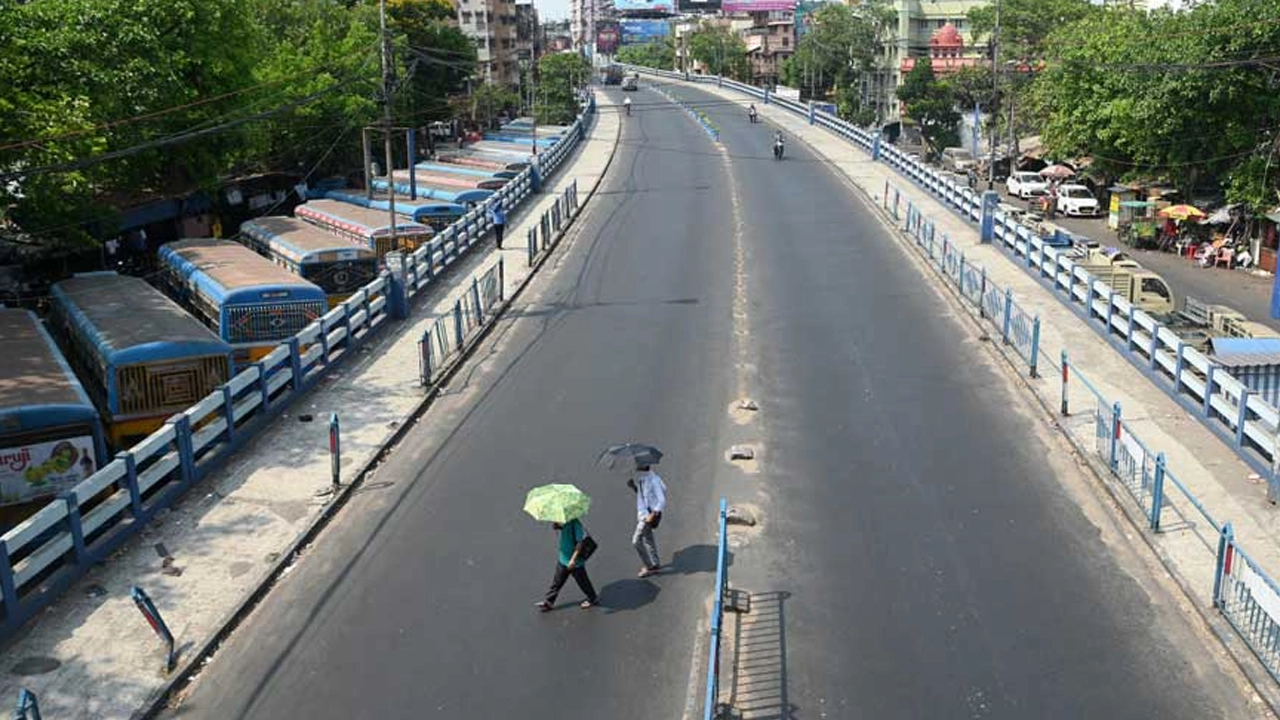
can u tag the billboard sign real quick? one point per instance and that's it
(698, 6)
(31, 471)
(638, 32)
(654, 6)
(733, 6)
(608, 37)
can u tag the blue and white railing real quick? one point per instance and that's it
(59, 543)
(711, 703)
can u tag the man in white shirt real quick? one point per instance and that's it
(651, 499)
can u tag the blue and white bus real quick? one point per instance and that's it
(337, 265)
(251, 302)
(142, 357)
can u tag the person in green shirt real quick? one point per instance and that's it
(571, 535)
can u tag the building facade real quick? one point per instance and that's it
(769, 43)
(492, 27)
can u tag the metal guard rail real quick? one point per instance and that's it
(55, 546)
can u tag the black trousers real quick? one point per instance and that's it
(498, 228)
(558, 580)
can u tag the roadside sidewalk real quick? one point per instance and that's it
(1209, 469)
(91, 655)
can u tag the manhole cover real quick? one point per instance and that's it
(36, 666)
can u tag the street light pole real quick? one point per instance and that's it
(386, 119)
(995, 93)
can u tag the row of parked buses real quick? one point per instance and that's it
(117, 356)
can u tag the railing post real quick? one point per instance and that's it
(531, 242)
(502, 279)
(475, 301)
(1133, 314)
(1035, 348)
(1154, 347)
(295, 364)
(75, 527)
(811, 112)
(1223, 563)
(457, 322)
(962, 274)
(425, 359)
(131, 483)
(1111, 310)
(1008, 314)
(1177, 370)
(982, 295)
(1208, 391)
(1066, 375)
(1157, 492)
(1115, 434)
(8, 586)
(1242, 416)
(229, 412)
(182, 431)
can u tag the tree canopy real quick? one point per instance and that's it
(930, 104)
(838, 55)
(720, 51)
(109, 101)
(659, 54)
(560, 75)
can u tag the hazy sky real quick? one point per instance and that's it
(552, 9)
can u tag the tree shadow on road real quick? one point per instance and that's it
(631, 594)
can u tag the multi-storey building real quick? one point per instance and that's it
(768, 44)
(492, 26)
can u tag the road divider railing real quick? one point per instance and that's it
(471, 311)
(1017, 328)
(551, 225)
(711, 703)
(1243, 592)
(1228, 407)
(55, 546)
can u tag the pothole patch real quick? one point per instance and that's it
(37, 665)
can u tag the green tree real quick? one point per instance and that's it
(720, 51)
(838, 55)
(559, 78)
(1025, 25)
(659, 54)
(931, 105)
(439, 57)
(490, 100)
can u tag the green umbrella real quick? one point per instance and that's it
(557, 503)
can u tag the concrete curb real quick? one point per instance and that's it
(188, 668)
(1241, 655)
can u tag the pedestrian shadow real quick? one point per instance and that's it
(696, 559)
(631, 594)
(759, 687)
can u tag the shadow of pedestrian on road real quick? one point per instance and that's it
(631, 594)
(695, 559)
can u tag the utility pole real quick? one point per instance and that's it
(995, 94)
(386, 120)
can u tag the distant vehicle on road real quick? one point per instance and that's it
(1077, 201)
(613, 75)
(1026, 185)
(957, 160)
(630, 83)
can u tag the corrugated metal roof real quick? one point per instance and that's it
(1240, 352)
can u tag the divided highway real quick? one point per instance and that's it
(917, 559)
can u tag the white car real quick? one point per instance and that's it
(1026, 185)
(1077, 201)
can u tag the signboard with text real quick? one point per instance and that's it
(608, 37)
(638, 32)
(657, 6)
(35, 470)
(733, 6)
(698, 6)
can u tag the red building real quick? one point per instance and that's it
(946, 53)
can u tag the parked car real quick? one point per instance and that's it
(957, 160)
(1025, 185)
(631, 83)
(1077, 201)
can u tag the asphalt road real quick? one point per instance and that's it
(916, 558)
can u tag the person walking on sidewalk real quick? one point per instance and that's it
(571, 562)
(498, 217)
(651, 499)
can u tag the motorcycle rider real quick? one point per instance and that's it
(751, 112)
(627, 102)
(778, 143)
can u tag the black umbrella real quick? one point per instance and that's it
(641, 454)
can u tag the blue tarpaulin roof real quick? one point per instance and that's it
(1238, 352)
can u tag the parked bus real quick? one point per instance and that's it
(248, 300)
(448, 180)
(481, 160)
(338, 266)
(142, 357)
(365, 226)
(50, 435)
(479, 172)
(423, 211)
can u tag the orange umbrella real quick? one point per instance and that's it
(1181, 212)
